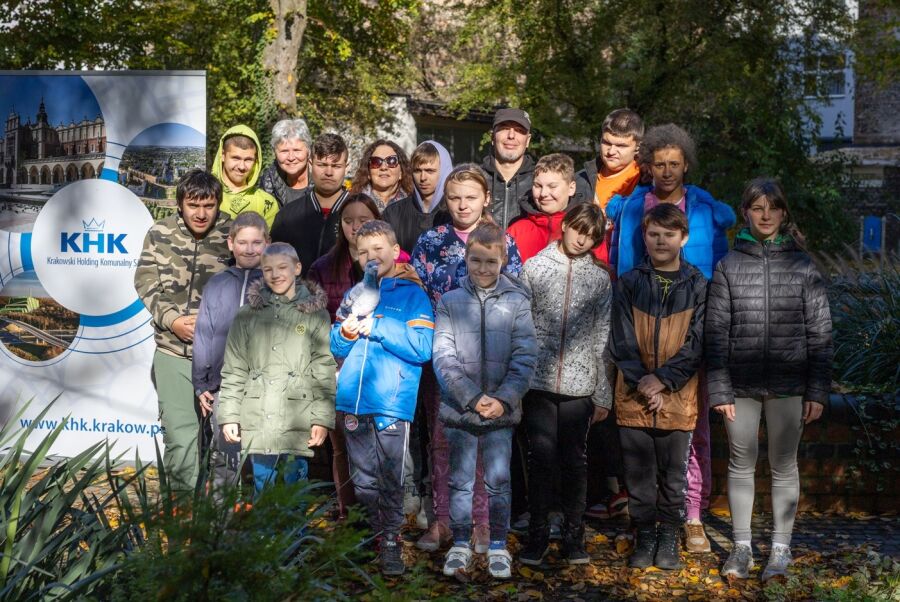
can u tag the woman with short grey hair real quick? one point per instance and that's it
(287, 178)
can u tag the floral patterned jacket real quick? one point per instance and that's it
(440, 260)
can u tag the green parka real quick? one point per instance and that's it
(279, 375)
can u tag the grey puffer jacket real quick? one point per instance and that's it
(768, 325)
(484, 348)
(570, 303)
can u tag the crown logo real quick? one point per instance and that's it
(93, 225)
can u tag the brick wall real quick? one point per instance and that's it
(824, 459)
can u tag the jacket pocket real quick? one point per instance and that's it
(298, 407)
(252, 403)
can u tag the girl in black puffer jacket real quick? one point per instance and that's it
(768, 348)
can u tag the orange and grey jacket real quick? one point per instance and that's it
(654, 332)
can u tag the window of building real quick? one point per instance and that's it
(824, 74)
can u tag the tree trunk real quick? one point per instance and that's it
(281, 54)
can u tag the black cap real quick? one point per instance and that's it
(515, 115)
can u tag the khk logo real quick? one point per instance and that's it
(92, 238)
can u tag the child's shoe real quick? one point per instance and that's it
(459, 559)
(779, 561)
(537, 547)
(499, 564)
(615, 506)
(695, 539)
(644, 547)
(739, 562)
(481, 537)
(572, 549)
(391, 557)
(435, 538)
(667, 548)
(422, 518)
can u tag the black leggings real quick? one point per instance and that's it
(557, 427)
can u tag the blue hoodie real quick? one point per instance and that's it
(708, 221)
(380, 374)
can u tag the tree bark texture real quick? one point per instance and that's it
(281, 54)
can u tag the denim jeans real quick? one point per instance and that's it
(267, 467)
(496, 449)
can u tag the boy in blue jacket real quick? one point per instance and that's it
(383, 353)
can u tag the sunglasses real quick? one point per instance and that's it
(377, 162)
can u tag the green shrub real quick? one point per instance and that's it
(865, 310)
(58, 541)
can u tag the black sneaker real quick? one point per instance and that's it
(644, 547)
(537, 547)
(572, 549)
(391, 557)
(667, 547)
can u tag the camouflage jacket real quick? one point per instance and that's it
(172, 271)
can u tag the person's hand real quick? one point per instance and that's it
(656, 402)
(812, 411)
(599, 415)
(649, 386)
(317, 436)
(365, 326)
(206, 403)
(489, 407)
(183, 327)
(727, 411)
(231, 432)
(350, 327)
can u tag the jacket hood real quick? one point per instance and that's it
(722, 213)
(553, 253)
(745, 242)
(309, 296)
(489, 164)
(257, 165)
(445, 169)
(404, 271)
(505, 284)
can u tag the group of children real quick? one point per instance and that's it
(530, 325)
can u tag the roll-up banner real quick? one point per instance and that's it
(88, 159)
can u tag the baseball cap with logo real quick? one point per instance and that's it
(515, 115)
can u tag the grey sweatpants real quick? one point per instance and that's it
(784, 426)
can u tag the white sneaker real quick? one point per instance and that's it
(739, 562)
(499, 564)
(779, 561)
(459, 558)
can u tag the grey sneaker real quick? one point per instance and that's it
(739, 562)
(499, 564)
(459, 559)
(779, 561)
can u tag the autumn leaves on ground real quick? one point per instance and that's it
(845, 572)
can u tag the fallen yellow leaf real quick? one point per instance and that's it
(599, 538)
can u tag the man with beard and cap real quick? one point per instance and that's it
(422, 210)
(509, 169)
(181, 253)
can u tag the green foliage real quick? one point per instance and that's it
(875, 578)
(865, 311)
(729, 71)
(59, 540)
(353, 53)
(54, 535)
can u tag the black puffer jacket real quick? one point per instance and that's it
(410, 222)
(768, 326)
(513, 198)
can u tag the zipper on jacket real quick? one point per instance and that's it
(244, 288)
(362, 370)
(191, 289)
(766, 313)
(565, 318)
(483, 345)
(656, 327)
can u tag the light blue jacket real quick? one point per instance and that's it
(708, 221)
(381, 372)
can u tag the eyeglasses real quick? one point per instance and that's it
(377, 162)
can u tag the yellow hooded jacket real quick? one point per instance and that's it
(251, 198)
